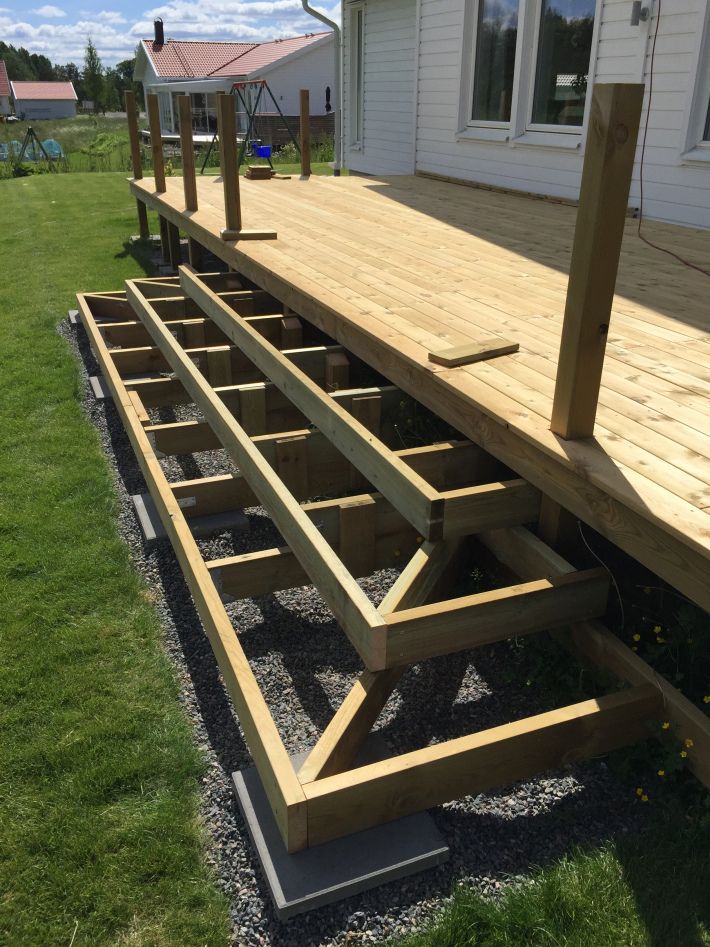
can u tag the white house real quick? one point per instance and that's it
(202, 69)
(498, 92)
(4, 90)
(37, 100)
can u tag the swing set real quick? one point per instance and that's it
(251, 101)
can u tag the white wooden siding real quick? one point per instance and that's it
(314, 70)
(675, 188)
(389, 88)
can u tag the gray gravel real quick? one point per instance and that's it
(305, 667)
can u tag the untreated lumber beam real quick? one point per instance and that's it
(351, 607)
(603, 199)
(188, 152)
(349, 802)
(305, 106)
(473, 620)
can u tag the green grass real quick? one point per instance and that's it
(99, 829)
(652, 890)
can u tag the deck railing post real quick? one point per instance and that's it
(132, 119)
(188, 153)
(227, 130)
(305, 133)
(156, 142)
(603, 200)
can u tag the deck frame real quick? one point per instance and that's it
(326, 799)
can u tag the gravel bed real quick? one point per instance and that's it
(305, 666)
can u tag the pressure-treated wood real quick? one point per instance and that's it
(227, 132)
(281, 786)
(473, 352)
(136, 164)
(349, 802)
(156, 142)
(305, 132)
(187, 151)
(350, 605)
(606, 178)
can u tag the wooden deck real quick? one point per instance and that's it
(398, 267)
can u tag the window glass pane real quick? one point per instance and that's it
(496, 36)
(563, 54)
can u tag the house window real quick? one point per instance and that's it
(357, 72)
(494, 65)
(706, 133)
(531, 63)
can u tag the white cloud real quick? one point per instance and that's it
(49, 11)
(110, 16)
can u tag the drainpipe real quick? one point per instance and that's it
(338, 41)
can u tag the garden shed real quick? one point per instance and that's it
(38, 100)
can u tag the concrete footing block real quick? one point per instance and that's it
(99, 388)
(152, 526)
(342, 868)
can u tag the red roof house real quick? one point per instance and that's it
(39, 100)
(202, 69)
(4, 90)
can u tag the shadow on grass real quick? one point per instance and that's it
(141, 251)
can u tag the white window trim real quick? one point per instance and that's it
(356, 130)
(521, 131)
(696, 150)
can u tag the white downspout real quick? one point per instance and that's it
(338, 132)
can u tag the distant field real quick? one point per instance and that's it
(98, 143)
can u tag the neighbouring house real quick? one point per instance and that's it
(202, 69)
(497, 92)
(4, 90)
(38, 100)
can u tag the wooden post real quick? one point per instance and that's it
(156, 143)
(130, 103)
(164, 239)
(603, 200)
(174, 245)
(227, 130)
(188, 153)
(305, 133)
(195, 253)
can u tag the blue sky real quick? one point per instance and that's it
(59, 29)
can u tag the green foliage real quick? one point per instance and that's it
(99, 828)
(93, 76)
(641, 891)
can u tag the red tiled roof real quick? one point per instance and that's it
(265, 54)
(197, 59)
(190, 59)
(43, 90)
(4, 81)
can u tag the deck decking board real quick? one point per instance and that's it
(397, 267)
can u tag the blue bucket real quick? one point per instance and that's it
(262, 151)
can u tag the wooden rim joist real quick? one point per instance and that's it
(277, 398)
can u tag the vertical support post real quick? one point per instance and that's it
(164, 239)
(195, 253)
(174, 250)
(305, 133)
(156, 142)
(227, 128)
(606, 179)
(132, 118)
(189, 180)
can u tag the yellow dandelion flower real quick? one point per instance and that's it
(661, 640)
(665, 725)
(689, 743)
(683, 754)
(644, 798)
(657, 630)
(639, 791)
(661, 772)
(637, 637)
(706, 699)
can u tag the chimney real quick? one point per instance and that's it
(159, 34)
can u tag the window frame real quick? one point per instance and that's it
(521, 129)
(356, 123)
(697, 146)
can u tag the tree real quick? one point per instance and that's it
(93, 77)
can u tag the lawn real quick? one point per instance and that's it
(99, 829)
(99, 832)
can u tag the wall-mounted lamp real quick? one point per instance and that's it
(639, 13)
